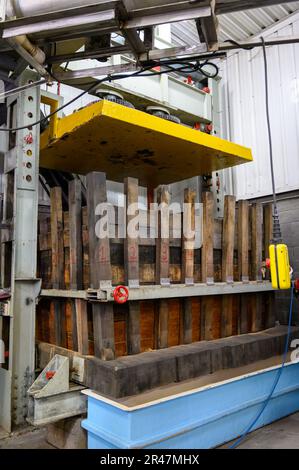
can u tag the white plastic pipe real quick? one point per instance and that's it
(25, 8)
(34, 7)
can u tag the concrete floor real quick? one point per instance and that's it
(29, 438)
(283, 434)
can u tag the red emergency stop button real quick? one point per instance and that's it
(121, 294)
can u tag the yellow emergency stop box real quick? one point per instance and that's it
(280, 266)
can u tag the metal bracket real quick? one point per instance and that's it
(52, 397)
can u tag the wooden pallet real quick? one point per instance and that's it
(72, 257)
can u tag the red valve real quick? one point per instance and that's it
(268, 263)
(206, 89)
(189, 80)
(209, 128)
(121, 294)
(29, 139)
(50, 374)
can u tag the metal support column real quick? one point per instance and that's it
(19, 243)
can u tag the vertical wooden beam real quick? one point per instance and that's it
(187, 321)
(131, 251)
(163, 324)
(162, 243)
(256, 255)
(58, 263)
(268, 228)
(57, 239)
(100, 267)
(228, 240)
(243, 240)
(243, 262)
(207, 262)
(79, 307)
(270, 311)
(257, 240)
(188, 240)
(75, 228)
(210, 318)
(162, 263)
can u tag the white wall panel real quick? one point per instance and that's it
(245, 114)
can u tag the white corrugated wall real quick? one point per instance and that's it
(244, 118)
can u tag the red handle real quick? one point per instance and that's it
(121, 294)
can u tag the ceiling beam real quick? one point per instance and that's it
(208, 28)
(230, 6)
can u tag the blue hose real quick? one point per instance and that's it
(279, 372)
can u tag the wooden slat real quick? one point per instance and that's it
(210, 318)
(162, 242)
(58, 263)
(243, 315)
(162, 264)
(207, 262)
(256, 312)
(188, 238)
(79, 308)
(227, 316)
(57, 239)
(270, 311)
(131, 255)
(163, 324)
(228, 239)
(100, 267)
(82, 326)
(147, 328)
(75, 229)
(196, 319)
(187, 321)
(256, 256)
(268, 231)
(243, 240)
(174, 322)
(257, 240)
(131, 242)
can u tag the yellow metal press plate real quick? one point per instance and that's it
(124, 142)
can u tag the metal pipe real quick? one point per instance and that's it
(26, 8)
(33, 50)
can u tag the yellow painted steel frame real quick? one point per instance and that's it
(54, 105)
(121, 142)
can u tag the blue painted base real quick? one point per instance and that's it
(199, 419)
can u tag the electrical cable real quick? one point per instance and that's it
(276, 225)
(246, 48)
(275, 383)
(276, 239)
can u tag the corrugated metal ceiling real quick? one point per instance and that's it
(237, 26)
